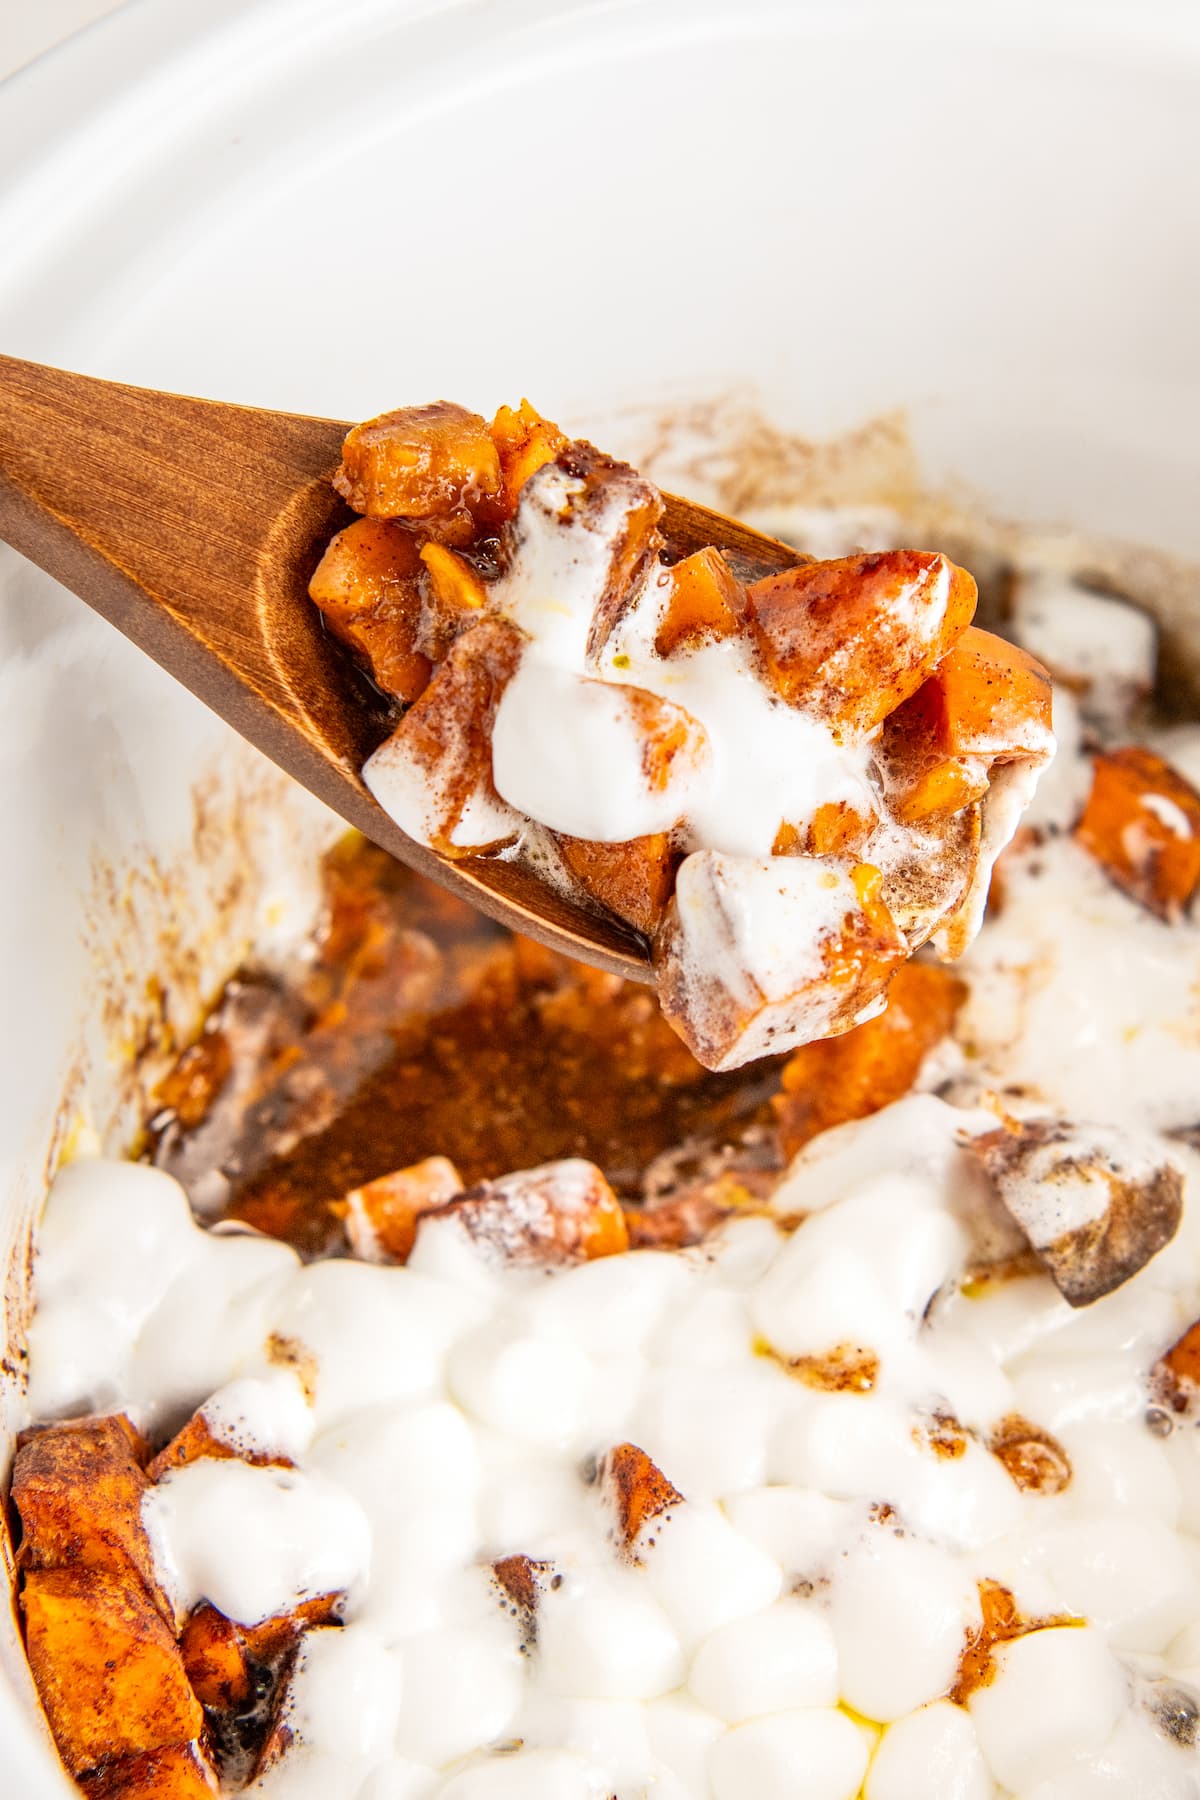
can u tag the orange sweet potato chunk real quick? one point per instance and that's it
(78, 1489)
(368, 590)
(849, 1077)
(178, 1772)
(1175, 1378)
(447, 734)
(214, 1658)
(432, 463)
(269, 1641)
(633, 879)
(705, 601)
(669, 733)
(1142, 824)
(986, 698)
(851, 640)
(107, 1667)
(562, 1212)
(381, 1216)
(455, 598)
(636, 1489)
(525, 442)
(836, 829)
(195, 1441)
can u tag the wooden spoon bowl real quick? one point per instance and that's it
(194, 526)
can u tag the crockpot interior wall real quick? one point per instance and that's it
(984, 215)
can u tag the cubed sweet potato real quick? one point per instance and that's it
(633, 879)
(78, 1489)
(851, 640)
(705, 601)
(987, 702)
(525, 442)
(454, 598)
(637, 1490)
(611, 501)
(562, 1212)
(215, 1659)
(1047, 1173)
(835, 829)
(381, 1216)
(849, 1077)
(434, 774)
(1175, 1378)
(1142, 824)
(986, 698)
(675, 1224)
(178, 1772)
(107, 1667)
(367, 586)
(429, 463)
(271, 1640)
(738, 979)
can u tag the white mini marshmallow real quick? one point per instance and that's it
(933, 1751)
(1056, 1696)
(605, 1636)
(900, 1609)
(768, 1757)
(783, 1657)
(704, 1573)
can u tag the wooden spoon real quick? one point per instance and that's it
(194, 527)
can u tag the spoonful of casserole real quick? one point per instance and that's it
(618, 721)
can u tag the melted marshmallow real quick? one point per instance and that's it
(453, 1407)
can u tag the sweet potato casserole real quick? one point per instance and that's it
(532, 1403)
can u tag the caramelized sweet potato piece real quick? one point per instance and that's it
(1142, 824)
(613, 500)
(267, 1642)
(670, 736)
(215, 1659)
(674, 1224)
(737, 982)
(78, 1489)
(434, 774)
(177, 1772)
(851, 640)
(1175, 1377)
(632, 879)
(455, 598)
(636, 1489)
(525, 442)
(986, 702)
(431, 463)
(851, 1076)
(1048, 1172)
(196, 1440)
(561, 1213)
(107, 1667)
(368, 590)
(705, 600)
(836, 829)
(381, 1216)
(986, 698)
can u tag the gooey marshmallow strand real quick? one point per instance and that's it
(778, 1622)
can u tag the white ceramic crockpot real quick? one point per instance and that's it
(984, 215)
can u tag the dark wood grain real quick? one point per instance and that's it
(193, 526)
